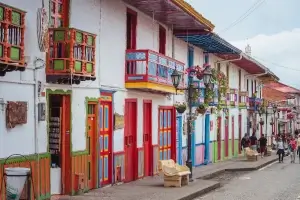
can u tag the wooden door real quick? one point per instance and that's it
(105, 140)
(130, 146)
(66, 145)
(91, 144)
(167, 129)
(232, 135)
(226, 137)
(240, 133)
(147, 137)
(219, 140)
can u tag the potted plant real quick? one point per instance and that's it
(271, 123)
(261, 122)
(180, 107)
(202, 109)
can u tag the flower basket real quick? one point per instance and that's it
(271, 123)
(201, 109)
(180, 109)
(261, 122)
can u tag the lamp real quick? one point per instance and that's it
(176, 77)
(207, 74)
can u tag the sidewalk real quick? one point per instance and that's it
(151, 188)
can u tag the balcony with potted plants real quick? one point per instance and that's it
(71, 56)
(147, 70)
(233, 97)
(12, 25)
(243, 99)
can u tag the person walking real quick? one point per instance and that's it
(245, 142)
(262, 145)
(298, 149)
(280, 150)
(293, 146)
(253, 140)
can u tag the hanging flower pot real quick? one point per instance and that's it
(180, 107)
(271, 123)
(261, 122)
(201, 109)
(200, 76)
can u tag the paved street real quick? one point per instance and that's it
(280, 181)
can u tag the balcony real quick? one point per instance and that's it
(71, 57)
(254, 103)
(12, 28)
(150, 71)
(233, 94)
(243, 99)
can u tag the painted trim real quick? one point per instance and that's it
(152, 86)
(179, 118)
(30, 157)
(207, 138)
(145, 101)
(118, 153)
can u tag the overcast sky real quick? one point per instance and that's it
(272, 30)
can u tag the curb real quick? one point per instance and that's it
(252, 168)
(201, 192)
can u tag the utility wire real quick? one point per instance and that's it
(256, 5)
(275, 64)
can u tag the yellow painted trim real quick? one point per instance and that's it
(191, 11)
(105, 98)
(152, 86)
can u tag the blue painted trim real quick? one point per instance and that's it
(179, 135)
(184, 147)
(112, 92)
(193, 149)
(207, 138)
(199, 144)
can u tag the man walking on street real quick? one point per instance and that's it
(293, 146)
(280, 149)
(253, 140)
(245, 142)
(262, 144)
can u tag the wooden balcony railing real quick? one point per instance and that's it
(150, 66)
(12, 29)
(233, 97)
(71, 52)
(243, 99)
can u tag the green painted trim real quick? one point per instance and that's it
(19, 159)
(45, 196)
(80, 153)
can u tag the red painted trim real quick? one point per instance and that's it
(162, 39)
(119, 153)
(147, 101)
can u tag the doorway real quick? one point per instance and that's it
(226, 138)
(60, 143)
(219, 140)
(232, 135)
(130, 140)
(105, 140)
(207, 139)
(91, 144)
(147, 138)
(167, 131)
(179, 139)
(240, 133)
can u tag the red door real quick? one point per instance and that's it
(226, 137)
(232, 135)
(105, 140)
(91, 144)
(219, 137)
(167, 129)
(147, 121)
(130, 146)
(66, 145)
(240, 133)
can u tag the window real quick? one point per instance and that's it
(59, 13)
(252, 89)
(227, 72)
(206, 58)
(131, 29)
(162, 40)
(247, 85)
(255, 89)
(219, 67)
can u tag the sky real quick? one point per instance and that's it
(272, 30)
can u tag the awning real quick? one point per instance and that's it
(210, 43)
(174, 13)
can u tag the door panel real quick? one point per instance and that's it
(147, 108)
(240, 132)
(165, 133)
(130, 140)
(179, 139)
(226, 137)
(219, 137)
(232, 134)
(91, 145)
(66, 145)
(105, 137)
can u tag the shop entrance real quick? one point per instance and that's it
(59, 143)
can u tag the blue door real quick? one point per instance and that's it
(207, 138)
(179, 139)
